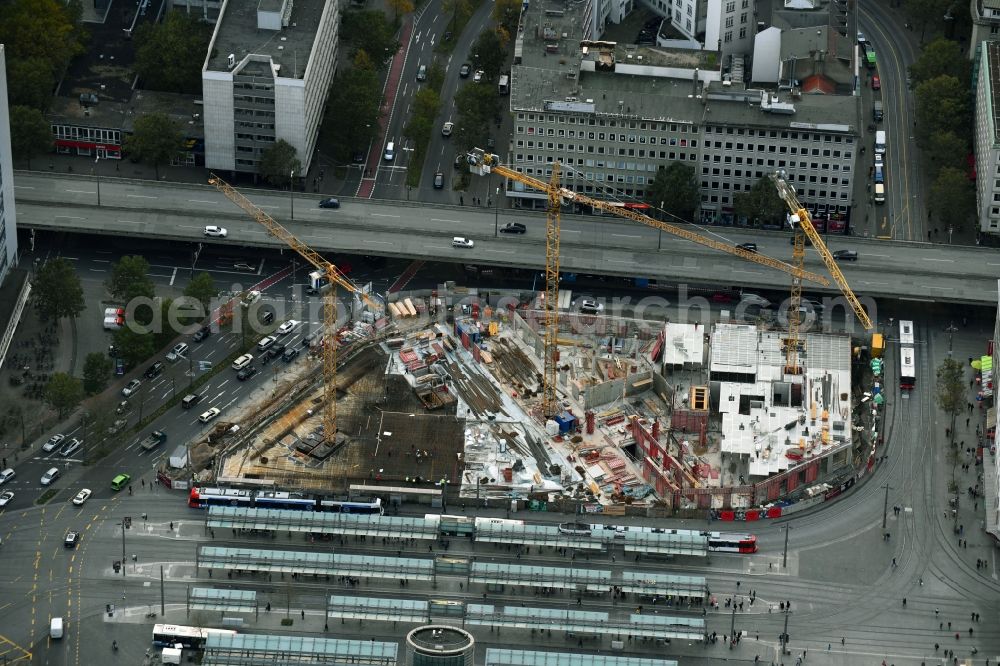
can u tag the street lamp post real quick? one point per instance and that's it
(97, 176)
(291, 193)
(784, 554)
(496, 215)
(123, 547)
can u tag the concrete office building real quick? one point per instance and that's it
(440, 645)
(8, 214)
(987, 138)
(266, 77)
(985, 24)
(614, 114)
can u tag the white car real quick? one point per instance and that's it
(131, 388)
(72, 447)
(215, 232)
(209, 415)
(242, 361)
(590, 306)
(53, 443)
(82, 497)
(447, 128)
(6, 475)
(459, 241)
(51, 475)
(251, 298)
(478, 76)
(266, 342)
(177, 352)
(6, 497)
(287, 327)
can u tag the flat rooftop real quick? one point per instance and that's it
(290, 47)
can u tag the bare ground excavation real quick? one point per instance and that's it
(391, 437)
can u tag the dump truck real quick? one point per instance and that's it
(153, 440)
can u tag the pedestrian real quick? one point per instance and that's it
(894, 563)
(967, 422)
(303, 614)
(171, 526)
(842, 640)
(130, 489)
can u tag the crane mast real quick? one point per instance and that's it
(333, 276)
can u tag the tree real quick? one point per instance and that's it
(371, 32)
(30, 133)
(952, 199)
(278, 161)
(156, 139)
(435, 77)
(926, 12)
(400, 7)
(476, 106)
(946, 149)
(163, 52)
(951, 388)
(40, 29)
(761, 205)
(675, 190)
(942, 57)
(96, 370)
(30, 82)
(57, 290)
(942, 106)
(202, 289)
(63, 392)
(352, 111)
(134, 347)
(130, 279)
(489, 55)
(506, 14)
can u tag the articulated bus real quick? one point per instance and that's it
(200, 498)
(906, 332)
(168, 635)
(907, 369)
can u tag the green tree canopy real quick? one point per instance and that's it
(40, 29)
(63, 392)
(506, 14)
(134, 347)
(401, 7)
(30, 82)
(163, 55)
(943, 105)
(951, 387)
(96, 371)
(156, 139)
(130, 279)
(30, 133)
(952, 199)
(942, 57)
(202, 289)
(926, 13)
(675, 190)
(946, 149)
(476, 106)
(278, 161)
(352, 111)
(372, 32)
(488, 54)
(57, 291)
(761, 205)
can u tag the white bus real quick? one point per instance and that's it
(906, 332)
(907, 368)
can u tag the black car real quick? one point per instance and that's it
(513, 228)
(201, 334)
(276, 350)
(246, 373)
(845, 255)
(153, 371)
(749, 247)
(465, 70)
(290, 354)
(329, 202)
(438, 180)
(72, 538)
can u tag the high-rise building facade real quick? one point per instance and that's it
(8, 214)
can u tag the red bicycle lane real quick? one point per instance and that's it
(367, 184)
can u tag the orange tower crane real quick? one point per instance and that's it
(483, 163)
(332, 274)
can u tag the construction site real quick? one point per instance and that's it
(524, 397)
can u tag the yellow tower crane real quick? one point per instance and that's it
(483, 163)
(802, 222)
(332, 274)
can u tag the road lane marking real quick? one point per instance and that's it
(950, 261)
(202, 201)
(139, 196)
(377, 242)
(383, 215)
(619, 261)
(81, 191)
(501, 251)
(434, 219)
(626, 236)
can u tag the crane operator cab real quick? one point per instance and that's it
(481, 162)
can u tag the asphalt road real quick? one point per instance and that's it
(911, 270)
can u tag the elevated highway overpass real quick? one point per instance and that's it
(602, 245)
